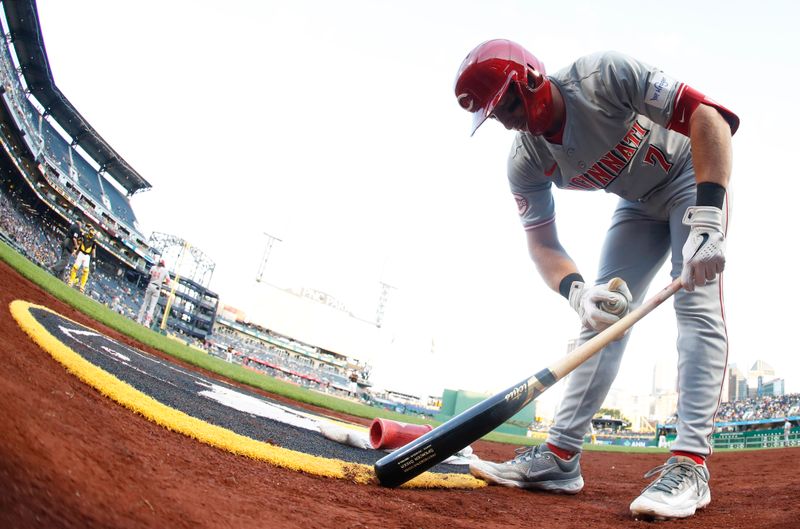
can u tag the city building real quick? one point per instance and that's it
(760, 380)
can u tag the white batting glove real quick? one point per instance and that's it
(599, 307)
(704, 251)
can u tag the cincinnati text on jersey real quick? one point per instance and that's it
(611, 164)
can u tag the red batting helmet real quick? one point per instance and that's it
(495, 67)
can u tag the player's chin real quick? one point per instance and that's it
(521, 127)
(517, 127)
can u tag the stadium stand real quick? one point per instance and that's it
(71, 183)
(19, 229)
(57, 151)
(119, 204)
(282, 357)
(766, 407)
(26, 226)
(24, 31)
(87, 179)
(192, 310)
(750, 423)
(55, 169)
(33, 233)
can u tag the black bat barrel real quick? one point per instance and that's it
(440, 443)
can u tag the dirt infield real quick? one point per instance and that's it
(72, 458)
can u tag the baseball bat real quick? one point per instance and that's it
(445, 440)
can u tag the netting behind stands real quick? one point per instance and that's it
(55, 148)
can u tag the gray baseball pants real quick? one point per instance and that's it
(641, 237)
(148, 307)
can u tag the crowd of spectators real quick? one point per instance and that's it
(116, 293)
(755, 408)
(765, 407)
(35, 237)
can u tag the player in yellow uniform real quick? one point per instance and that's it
(87, 252)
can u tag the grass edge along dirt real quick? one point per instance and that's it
(183, 352)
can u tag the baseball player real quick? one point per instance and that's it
(610, 122)
(69, 247)
(158, 277)
(85, 257)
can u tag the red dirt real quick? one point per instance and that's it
(69, 457)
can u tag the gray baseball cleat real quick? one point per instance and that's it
(533, 468)
(679, 491)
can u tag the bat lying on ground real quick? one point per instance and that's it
(442, 442)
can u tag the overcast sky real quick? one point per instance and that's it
(333, 126)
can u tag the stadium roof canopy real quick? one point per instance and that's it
(26, 36)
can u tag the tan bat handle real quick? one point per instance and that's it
(615, 283)
(620, 304)
(583, 352)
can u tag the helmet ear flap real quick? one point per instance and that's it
(533, 77)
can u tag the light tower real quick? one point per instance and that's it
(382, 300)
(271, 240)
(183, 258)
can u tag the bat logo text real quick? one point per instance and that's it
(517, 391)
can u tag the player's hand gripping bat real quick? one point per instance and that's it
(441, 442)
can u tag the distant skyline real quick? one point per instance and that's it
(334, 128)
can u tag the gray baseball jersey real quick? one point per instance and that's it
(626, 132)
(616, 135)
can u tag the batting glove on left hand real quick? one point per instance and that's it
(599, 307)
(704, 251)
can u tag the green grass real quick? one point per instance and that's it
(234, 372)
